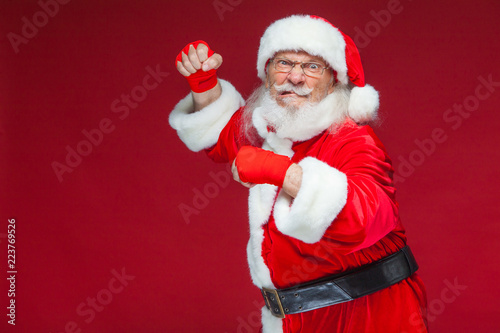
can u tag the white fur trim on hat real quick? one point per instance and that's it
(201, 129)
(304, 33)
(363, 104)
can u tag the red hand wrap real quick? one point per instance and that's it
(200, 81)
(259, 166)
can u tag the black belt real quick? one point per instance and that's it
(342, 287)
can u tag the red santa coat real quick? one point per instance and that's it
(344, 216)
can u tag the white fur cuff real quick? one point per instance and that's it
(322, 195)
(201, 129)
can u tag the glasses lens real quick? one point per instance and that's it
(312, 69)
(282, 65)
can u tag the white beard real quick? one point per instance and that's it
(300, 123)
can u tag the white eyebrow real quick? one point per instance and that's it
(320, 62)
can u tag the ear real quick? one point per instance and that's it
(331, 86)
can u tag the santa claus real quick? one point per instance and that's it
(327, 248)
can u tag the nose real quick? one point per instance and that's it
(296, 75)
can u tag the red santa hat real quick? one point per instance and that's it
(318, 37)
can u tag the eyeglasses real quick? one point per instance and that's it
(311, 69)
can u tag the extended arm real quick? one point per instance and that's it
(200, 117)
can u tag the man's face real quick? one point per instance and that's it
(320, 86)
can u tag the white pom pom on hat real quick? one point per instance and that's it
(318, 37)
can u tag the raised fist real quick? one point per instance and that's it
(198, 63)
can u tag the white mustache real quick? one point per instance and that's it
(301, 91)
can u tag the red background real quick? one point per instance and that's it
(119, 207)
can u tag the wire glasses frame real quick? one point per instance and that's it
(311, 69)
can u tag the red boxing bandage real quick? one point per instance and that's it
(200, 81)
(259, 166)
